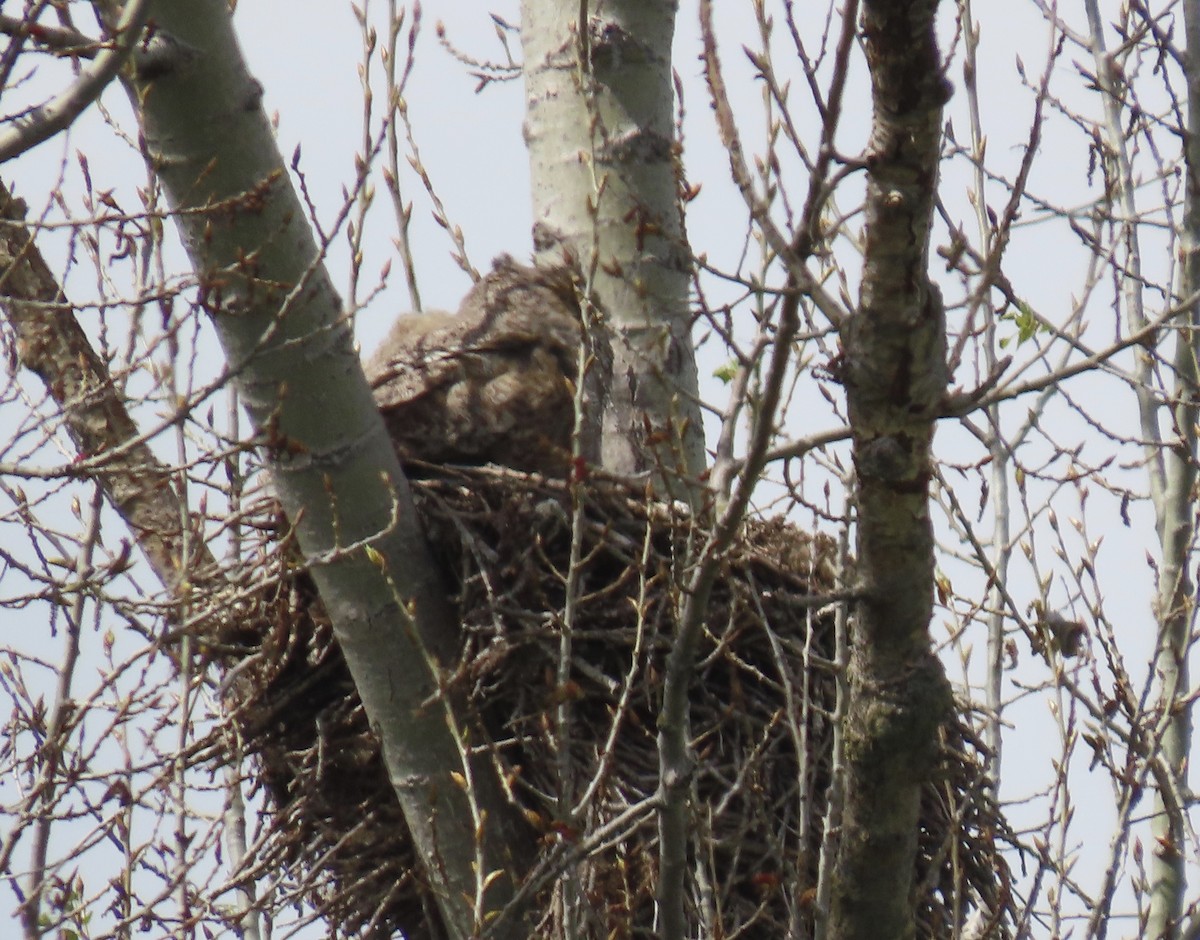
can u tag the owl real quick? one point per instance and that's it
(494, 383)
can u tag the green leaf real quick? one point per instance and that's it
(1026, 321)
(726, 372)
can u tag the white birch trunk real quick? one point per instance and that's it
(280, 322)
(1176, 513)
(602, 152)
(1171, 468)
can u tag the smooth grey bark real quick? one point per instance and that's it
(262, 279)
(895, 378)
(1169, 433)
(1176, 524)
(602, 151)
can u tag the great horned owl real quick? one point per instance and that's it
(493, 383)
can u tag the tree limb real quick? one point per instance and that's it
(333, 467)
(49, 119)
(895, 377)
(51, 343)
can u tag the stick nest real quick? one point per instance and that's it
(762, 705)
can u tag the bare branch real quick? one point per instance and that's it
(44, 122)
(52, 344)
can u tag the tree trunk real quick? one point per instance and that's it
(895, 377)
(603, 157)
(1175, 515)
(290, 350)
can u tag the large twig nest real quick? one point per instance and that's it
(584, 738)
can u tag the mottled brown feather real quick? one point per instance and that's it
(493, 383)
